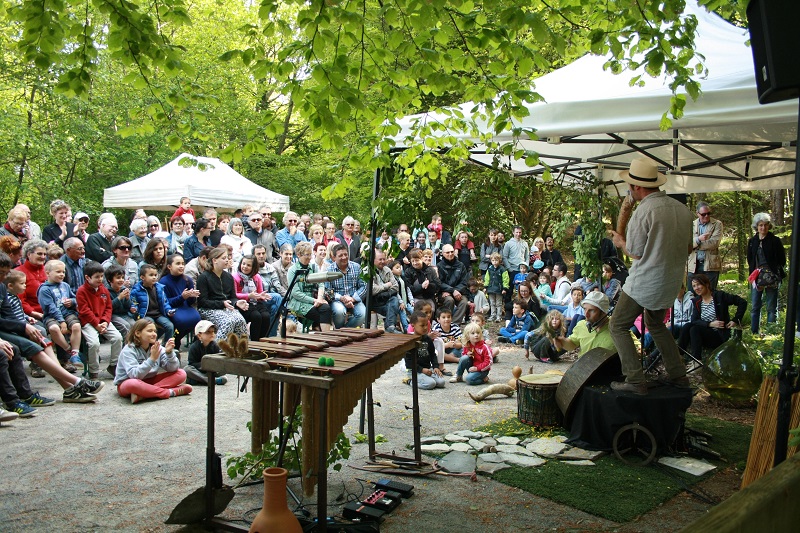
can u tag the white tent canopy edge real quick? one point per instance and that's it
(217, 185)
(597, 123)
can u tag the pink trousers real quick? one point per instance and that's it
(157, 386)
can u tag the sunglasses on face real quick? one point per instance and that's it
(251, 219)
(705, 214)
(123, 248)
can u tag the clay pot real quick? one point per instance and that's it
(275, 516)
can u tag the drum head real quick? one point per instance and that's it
(541, 379)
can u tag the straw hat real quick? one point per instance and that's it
(644, 173)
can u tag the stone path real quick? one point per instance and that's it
(475, 451)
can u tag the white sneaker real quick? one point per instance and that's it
(7, 416)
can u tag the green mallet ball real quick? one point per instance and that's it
(322, 361)
(329, 361)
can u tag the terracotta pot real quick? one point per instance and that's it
(275, 516)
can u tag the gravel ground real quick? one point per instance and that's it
(113, 465)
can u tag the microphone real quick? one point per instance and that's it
(322, 277)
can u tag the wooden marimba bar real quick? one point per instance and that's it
(328, 394)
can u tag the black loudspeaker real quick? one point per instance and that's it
(775, 40)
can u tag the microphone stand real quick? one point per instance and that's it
(284, 307)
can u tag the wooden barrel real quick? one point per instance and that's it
(597, 366)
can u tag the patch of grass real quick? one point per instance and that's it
(619, 492)
(512, 427)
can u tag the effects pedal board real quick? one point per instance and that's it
(362, 512)
(405, 490)
(384, 500)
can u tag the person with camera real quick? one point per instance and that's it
(765, 253)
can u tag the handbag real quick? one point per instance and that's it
(767, 279)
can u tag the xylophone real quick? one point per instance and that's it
(360, 357)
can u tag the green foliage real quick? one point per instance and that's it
(586, 207)
(251, 465)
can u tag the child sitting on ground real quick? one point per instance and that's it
(139, 363)
(205, 333)
(428, 374)
(480, 319)
(449, 338)
(94, 310)
(149, 300)
(521, 323)
(477, 358)
(60, 310)
(540, 340)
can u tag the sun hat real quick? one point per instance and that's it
(596, 299)
(203, 326)
(538, 264)
(644, 173)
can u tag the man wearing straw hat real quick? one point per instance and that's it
(658, 238)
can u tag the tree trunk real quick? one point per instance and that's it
(24, 161)
(778, 214)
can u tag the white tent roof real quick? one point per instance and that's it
(594, 120)
(218, 185)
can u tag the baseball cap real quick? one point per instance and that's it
(203, 326)
(596, 299)
(81, 215)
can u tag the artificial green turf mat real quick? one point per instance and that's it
(619, 492)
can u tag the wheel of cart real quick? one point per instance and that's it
(635, 445)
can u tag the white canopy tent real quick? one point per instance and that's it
(593, 120)
(209, 183)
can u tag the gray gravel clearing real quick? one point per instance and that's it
(117, 466)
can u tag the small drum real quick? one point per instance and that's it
(536, 400)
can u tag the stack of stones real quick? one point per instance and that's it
(469, 451)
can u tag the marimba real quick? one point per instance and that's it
(328, 394)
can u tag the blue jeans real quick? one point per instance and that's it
(272, 306)
(403, 319)
(472, 378)
(513, 334)
(165, 324)
(560, 308)
(756, 299)
(390, 312)
(340, 318)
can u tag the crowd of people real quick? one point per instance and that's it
(67, 289)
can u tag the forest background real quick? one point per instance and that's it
(298, 97)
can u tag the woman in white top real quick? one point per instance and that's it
(235, 239)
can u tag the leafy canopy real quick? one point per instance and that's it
(350, 68)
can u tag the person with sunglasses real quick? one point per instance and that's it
(706, 235)
(348, 236)
(289, 234)
(122, 256)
